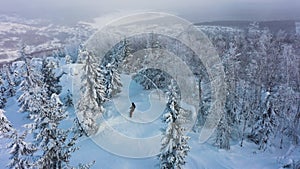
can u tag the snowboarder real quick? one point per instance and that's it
(132, 108)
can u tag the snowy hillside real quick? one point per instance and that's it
(62, 106)
(39, 36)
(202, 156)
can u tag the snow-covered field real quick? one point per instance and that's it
(202, 156)
(38, 35)
(146, 123)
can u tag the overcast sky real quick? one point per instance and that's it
(193, 10)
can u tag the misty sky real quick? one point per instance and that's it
(193, 10)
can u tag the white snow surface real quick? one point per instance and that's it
(144, 124)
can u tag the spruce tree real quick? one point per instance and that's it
(174, 142)
(265, 125)
(32, 90)
(10, 89)
(49, 137)
(89, 107)
(32, 99)
(223, 133)
(20, 152)
(2, 98)
(5, 125)
(68, 99)
(68, 59)
(49, 78)
(113, 80)
(111, 68)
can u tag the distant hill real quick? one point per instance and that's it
(274, 26)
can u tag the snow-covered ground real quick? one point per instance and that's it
(146, 123)
(40, 36)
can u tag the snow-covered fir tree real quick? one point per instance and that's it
(200, 116)
(68, 59)
(112, 80)
(49, 137)
(32, 99)
(85, 166)
(100, 89)
(246, 113)
(49, 78)
(174, 144)
(81, 54)
(2, 98)
(78, 128)
(127, 55)
(31, 75)
(20, 152)
(110, 69)
(230, 120)
(265, 127)
(5, 125)
(10, 89)
(120, 51)
(232, 105)
(55, 145)
(16, 75)
(89, 107)
(32, 89)
(268, 127)
(68, 100)
(2, 90)
(223, 133)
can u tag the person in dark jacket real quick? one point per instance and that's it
(132, 108)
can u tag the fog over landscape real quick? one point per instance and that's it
(193, 10)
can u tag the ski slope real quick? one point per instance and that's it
(114, 152)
